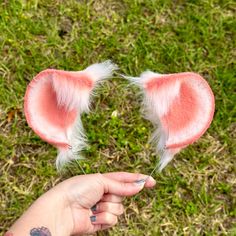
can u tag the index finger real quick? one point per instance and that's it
(131, 177)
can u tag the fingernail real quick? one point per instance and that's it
(140, 182)
(92, 218)
(94, 208)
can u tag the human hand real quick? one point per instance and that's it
(66, 208)
(103, 192)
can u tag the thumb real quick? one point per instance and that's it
(122, 188)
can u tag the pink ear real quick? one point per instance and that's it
(181, 105)
(54, 101)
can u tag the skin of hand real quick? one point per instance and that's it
(66, 209)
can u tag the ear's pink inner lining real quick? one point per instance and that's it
(191, 111)
(48, 108)
(182, 111)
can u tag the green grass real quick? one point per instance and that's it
(195, 194)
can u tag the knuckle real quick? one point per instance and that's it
(108, 207)
(107, 217)
(123, 188)
(99, 178)
(115, 220)
(121, 209)
(110, 219)
(118, 199)
(101, 181)
(105, 198)
(99, 175)
(104, 206)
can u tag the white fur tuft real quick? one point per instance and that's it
(75, 98)
(143, 79)
(100, 71)
(159, 138)
(132, 80)
(64, 156)
(77, 142)
(165, 158)
(154, 106)
(72, 93)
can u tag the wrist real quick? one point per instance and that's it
(59, 214)
(48, 211)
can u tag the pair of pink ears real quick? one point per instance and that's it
(181, 107)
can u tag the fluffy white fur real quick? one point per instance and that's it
(153, 107)
(81, 100)
(165, 157)
(157, 103)
(77, 142)
(100, 71)
(71, 97)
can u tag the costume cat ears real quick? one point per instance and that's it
(54, 102)
(181, 107)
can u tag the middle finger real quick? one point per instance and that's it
(111, 198)
(113, 208)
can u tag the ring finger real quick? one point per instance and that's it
(104, 218)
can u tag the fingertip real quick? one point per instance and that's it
(133, 188)
(150, 182)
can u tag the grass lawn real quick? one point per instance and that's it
(196, 192)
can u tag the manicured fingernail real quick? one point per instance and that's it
(94, 208)
(140, 182)
(92, 218)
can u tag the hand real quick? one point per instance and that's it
(68, 205)
(101, 191)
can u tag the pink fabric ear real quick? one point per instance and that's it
(54, 101)
(181, 106)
